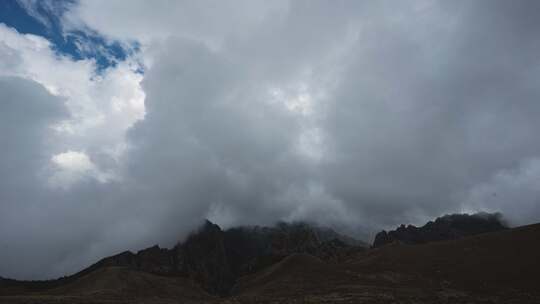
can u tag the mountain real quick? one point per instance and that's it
(296, 275)
(105, 284)
(123, 283)
(447, 227)
(293, 263)
(214, 259)
(493, 267)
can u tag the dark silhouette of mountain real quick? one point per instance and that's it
(217, 258)
(496, 267)
(214, 259)
(447, 227)
(296, 263)
(296, 273)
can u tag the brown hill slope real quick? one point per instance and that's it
(124, 282)
(487, 262)
(117, 285)
(498, 267)
(292, 276)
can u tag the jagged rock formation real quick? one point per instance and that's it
(203, 258)
(215, 259)
(447, 227)
(496, 267)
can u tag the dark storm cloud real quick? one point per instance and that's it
(427, 110)
(427, 103)
(27, 111)
(209, 140)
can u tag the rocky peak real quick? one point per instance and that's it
(447, 227)
(203, 258)
(214, 259)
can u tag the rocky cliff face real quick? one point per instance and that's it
(215, 259)
(203, 258)
(448, 227)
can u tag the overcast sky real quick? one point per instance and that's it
(125, 123)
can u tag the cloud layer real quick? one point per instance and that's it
(358, 115)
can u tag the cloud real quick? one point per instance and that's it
(185, 19)
(513, 190)
(428, 108)
(52, 109)
(72, 166)
(359, 115)
(28, 111)
(102, 106)
(220, 141)
(410, 109)
(45, 12)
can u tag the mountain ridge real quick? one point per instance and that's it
(447, 227)
(214, 258)
(293, 263)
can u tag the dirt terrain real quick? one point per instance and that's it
(497, 267)
(500, 267)
(117, 285)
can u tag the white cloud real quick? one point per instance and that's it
(62, 134)
(72, 167)
(185, 19)
(73, 161)
(102, 106)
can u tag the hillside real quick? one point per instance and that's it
(498, 267)
(448, 227)
(490, 262)
(212, 258)
(493, 267)
(116, 285)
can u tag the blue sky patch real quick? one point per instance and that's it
(45, 20)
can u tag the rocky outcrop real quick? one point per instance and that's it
(203, 258)
(155, 260)
(215, 258)
(448, 227)
(250, 249)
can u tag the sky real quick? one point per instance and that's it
(124, 124)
